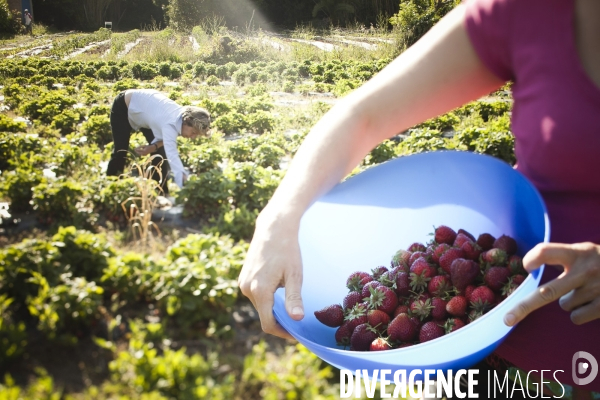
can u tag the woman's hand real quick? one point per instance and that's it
(578, 287)
(145, 150)
(273, 261)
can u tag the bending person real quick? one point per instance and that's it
(161, 120)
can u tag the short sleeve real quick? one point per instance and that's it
(488, 24)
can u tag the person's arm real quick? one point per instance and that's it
(439, 73)
(170, 144)
(148, 149)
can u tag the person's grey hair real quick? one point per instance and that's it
(197, 118)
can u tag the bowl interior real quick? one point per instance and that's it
(363, 221)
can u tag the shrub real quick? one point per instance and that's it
(268, 155)
(383, 152)
(235, 222)
(17, 186)
(253, 185)
(260, 122)
(213, 81)
(9, 21)
(13, 337)
(203, 194)
(125, 84)
(232, 122)
(7, 124)
(421, 140)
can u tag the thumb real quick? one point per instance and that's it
(293, 295)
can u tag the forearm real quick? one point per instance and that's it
(436, 75)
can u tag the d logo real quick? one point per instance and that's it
(582, 368)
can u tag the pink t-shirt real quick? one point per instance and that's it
(556, 124)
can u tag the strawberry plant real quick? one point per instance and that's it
(13, 337)
(7, 124)
(203, 194)
(97, 129)
(17, 186)
(235, 222)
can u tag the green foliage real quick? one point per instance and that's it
(253, 185)
(9, 21)
(123, 277)
(17, 187)
(85, 253)
(13, 337)
(416, 17)
(443, 122)
(113, 195)
(72, 42)
(125, 84)
(7, 124)
(204, 158)
(13, 146)
(47, 106)
(203, 194)
(267, 155)
(495, 140)
(235, 222)
(381, 153)
(212, 81)
(63, 202)
(421, 140)
(97, 129)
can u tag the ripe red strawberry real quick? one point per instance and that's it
(439, 308)
(429, 331)
(332, 316)
(402, 284)
(343, 334)
(449, 256)
(486, 241)
(416, 255)
(467, 234)
(416, 247)
(402, 308)
(384, 299)
(463, 273)
(402, 329)
(401, 259)
(444, 234)
(506, 243)
(439, 250)
(518, 279)
(421, 273)
(380, 344)
(453, 324)
(378, 319)
(496, 277)
(352, 299)
(439, 286)
(468, 291)
(482, 299)
(472, 250)
(461, 238)
(357, 280)
(362, 337)
(515, 265)
(457, 306)
(377, 272)
(421, 308)
(366, 292)
(495, 257)
(389, 278)
(356, 316)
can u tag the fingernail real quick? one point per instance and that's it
(297, 311)
(510, 319)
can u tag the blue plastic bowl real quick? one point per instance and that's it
(363, 221)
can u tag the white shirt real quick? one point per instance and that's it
(151, 109)
(27, 18)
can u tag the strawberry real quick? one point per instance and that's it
(416, 247)
(383, 298)
(389, 278)
(463, 273)
(402, 308)
(402, 329)
(449, 256)
(457, 306)
(453, 324)
(486, 241)
(482, 299)
(439, 286)
(402, 284)
(518, 279)
(439, 308)
(429, 331)
(461, 238)
(366, 290)
(421, 273)
(356, 316)
(444, 234)
(496, 277)
(401, 258)
(362, 337)
(332, 316)
(357, 280)
(515, 265)
(472, 250)
(468, 291)
(439, 251)
(378, 319)
(377, 272)
(403, 345)
(416, 255)
(506, 243)
(467, 234)
(343, 334)
(474, 314)
(512, 284)
(380, 344)
(421, 308)
(495, 257)
(351, 300)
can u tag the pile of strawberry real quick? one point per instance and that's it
(427, 292)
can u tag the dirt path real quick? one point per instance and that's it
(86, 48)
